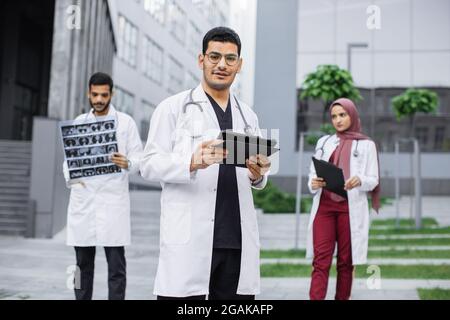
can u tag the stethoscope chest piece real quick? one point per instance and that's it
(322, 148)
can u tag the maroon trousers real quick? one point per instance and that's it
(331, 226)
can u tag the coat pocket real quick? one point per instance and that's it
(79, 197)
(175, 223)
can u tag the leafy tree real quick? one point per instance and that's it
(413, 101)
(325, 129)
(329, 83)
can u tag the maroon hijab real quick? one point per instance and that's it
(344, 150)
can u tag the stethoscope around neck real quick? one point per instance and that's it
(322, 148)
(247, 128)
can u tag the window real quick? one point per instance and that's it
(157, 9)
(222, 19)
(175, 76)
(192, 81)
(210, 10)
(128, 35)
(152, 60)
(439, 135)
(195, 39)
(147, 110)
(178, 22)
(123, 101)
(202, 6)
(422, 136)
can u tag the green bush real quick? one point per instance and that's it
(325, 129)
(273, 200)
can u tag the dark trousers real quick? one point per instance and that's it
(331, 225)
(224, 280)
(117, 281)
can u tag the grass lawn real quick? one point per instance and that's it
(426, 222)
(400, 254)
(434, 294)
(410, 242)
(407, 231)
(387, 271)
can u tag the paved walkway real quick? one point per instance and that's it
(37, 269)
(298, 289)
(403, 262)
(277, 231)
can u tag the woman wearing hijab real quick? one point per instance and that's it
(335, 219)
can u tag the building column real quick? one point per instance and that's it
(276, 74)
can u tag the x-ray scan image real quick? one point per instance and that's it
(88, 146)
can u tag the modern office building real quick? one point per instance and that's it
(48, 50)
(407, 45)
(158, 45)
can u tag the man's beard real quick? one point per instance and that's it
(106, 106)
(218, 86)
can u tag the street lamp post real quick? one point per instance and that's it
(299, 189)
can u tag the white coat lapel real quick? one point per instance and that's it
(330, 147)
(210, 116)
(238, 125)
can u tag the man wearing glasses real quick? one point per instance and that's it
(209, 234)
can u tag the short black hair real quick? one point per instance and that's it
(101, 79)
(222, 34)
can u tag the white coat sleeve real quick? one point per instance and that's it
(370, 177)
(312, 175)
(66, 174)
(134, 147)
(263, 182)
(312, 170)
(161, 162)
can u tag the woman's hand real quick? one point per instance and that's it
(352, 183)
(318, 183)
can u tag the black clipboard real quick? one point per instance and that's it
(333, 176)
(241, 147)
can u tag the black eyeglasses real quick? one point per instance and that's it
(230, 59)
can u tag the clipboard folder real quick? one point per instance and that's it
(241, 147)
(333, 176)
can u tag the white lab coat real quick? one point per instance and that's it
(99, 212)
(188, 199)
(365, 166)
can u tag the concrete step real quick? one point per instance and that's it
(12, 231)
(7, 178)
(23, 190)
(15, 183)
(15, 153)
(15, 143)
(7, 158)
(14, 172)
(13, 197)
(13, 214)
(13, 206)
(19, 149)
(11, 222)
(14, 166)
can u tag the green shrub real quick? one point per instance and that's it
(273, 200)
